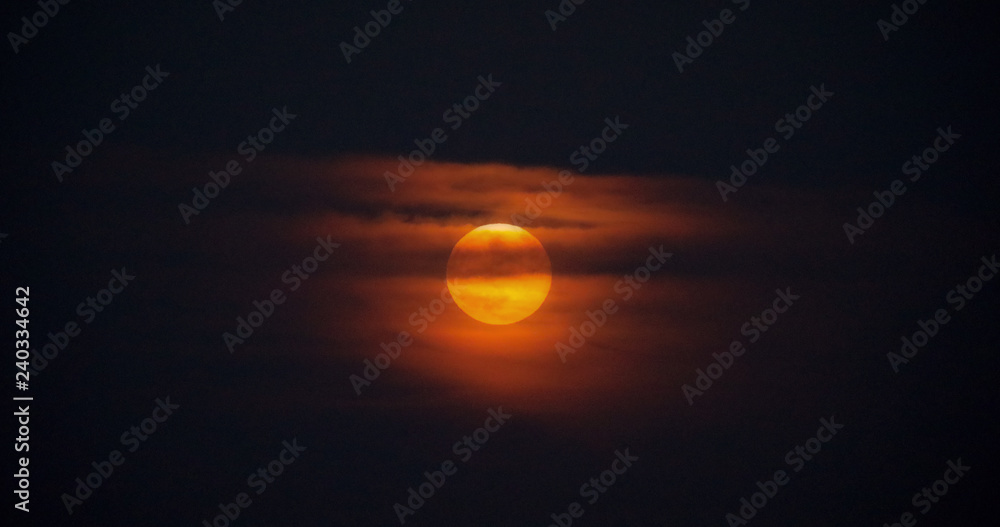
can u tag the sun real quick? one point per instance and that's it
(499, 274)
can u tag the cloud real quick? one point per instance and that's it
(388, 274)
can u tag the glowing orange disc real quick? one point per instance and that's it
(499, 273)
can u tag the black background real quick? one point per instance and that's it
(606, 59)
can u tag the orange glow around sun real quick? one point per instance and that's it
(499, 274)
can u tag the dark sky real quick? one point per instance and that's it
(320, 188)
